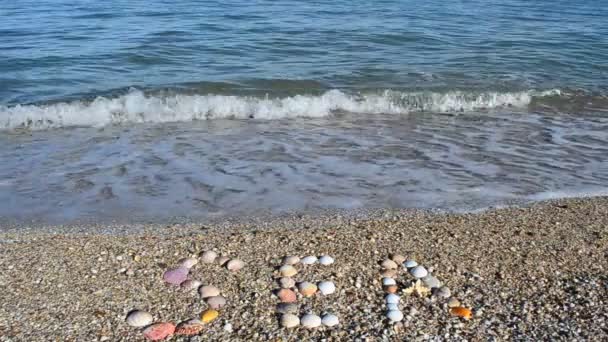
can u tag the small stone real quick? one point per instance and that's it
(188, 262)
(235, 265)
(189, 328)
(176, 276)
(209, 291)
(287, 308)
(394, 315)
(326, 287)
(389, 264)
(309, 260)
(453, 302)
(228, 327)
(216, 302)
(288, 271)
(289, 321)
(330, 320)
(443, 292)
(291, 260)
(310, 321)
(419, 272)
(386, 281)
(398, 258)
(223, 260)
(191, 285)
(138, 318)
(307, 289)
(431, 282)
(410, 264)
(208, 257)
(287, 296)
(389, 273)
(209, 315)
(287, 283)
(326, 260)
(391, 289)
(159, 331)
(392, 299)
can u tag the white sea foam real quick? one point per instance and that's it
(137, 107)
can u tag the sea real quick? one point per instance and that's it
(151, 110)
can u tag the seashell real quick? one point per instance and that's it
(291, 260)
(208, 257)
(419, 272)
(176, 276)
(309, 260)
(287, 283)
(288, 271)
(330, 320)
(410, 264)
(159, 331)
(392, 299)
(392, 306)
(453, 302)
(386, 281)
(287, 296)
(460, 311)
(398, 258)
(307, 289)
(431, 282)
(216, 302)
(188, 262)
(287, 308)
(209, 291)
(388, 264)
(138, 318)
(223, 260)
(289, 321)
(326, 287)
(191, 285)
(389, 273)
(189, 328)
(310, 321)
(443, 292)
(209, 315)
(326, 260)
(394, 315)
(235, 265)
(391, 289)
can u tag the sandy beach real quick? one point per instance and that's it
(537, 273)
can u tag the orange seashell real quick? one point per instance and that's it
(159, 331)
(463, 312)
(391, 289)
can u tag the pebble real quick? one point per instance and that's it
(289, 321)
(307, 289)
(389, 273)
(287, 296)
(138, 318)
(191, 285)
(287, 283)
(176, 276)
(419, 272)
(310, 321)
(309, 260)
(223, 260)
(209, 291)
(398, 258)
(326, 260)
(330, 320)
(216, 302)
(453, 302)
(291, 260)
(189, 328)
(431, 281)
(208, 257)
(394, 315)
(410, 264)
(287, 308)
(235, 265)
(327, 287)
(209, 315)
(386, 281)
(188, 262)
(443, 292)
(228, 327)
(288, 271)
(392, 299)
(159, 331)
(389, 264)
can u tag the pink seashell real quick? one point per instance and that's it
(159, 331)
(287, 296)
(176, 276)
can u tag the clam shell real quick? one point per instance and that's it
(326, 260)
(208, 257)
(330, 320)
(176, 276)
(392, 306)
(307, 289)
(398, 258)
(291, 260)
(410, 264)
(287, 296)
(309, 260)
(287, 308)
(392, 299)
(159, 331)
(288, 271)
(453, 302)
(419, 272)
(223, 260)
(443, 292)
(389, 264)
(190, 285)
(209, 291)
(394, 315)
(287, 283)
(235, 265)
(326, 287)
(386, 281)
(216, 302)
(310, 321)
(138, 318)
(289, 321)
(431, 282)
(188, 262)
(189, 328)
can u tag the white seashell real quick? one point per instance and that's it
(410, 264)
(223, 260)
(139, 318)
(209, 291)
(188, 262)
(330, 320)
(235, 264)
(326, 287)
(392, 299)
(392, 306)
(191, 285)
(288, 271)
(287, 283)
(394, 315)
(389, 264)
(443, 292)
(216, 302)
(419, 272)
(431, 281)
(208, 257)
(291, 260)
(386, 281)
(289, 321)
(326, 260)
(309, 260)
(453, 302)
(310, 321)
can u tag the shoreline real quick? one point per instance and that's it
(537, 271)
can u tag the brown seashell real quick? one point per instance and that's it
(463, 312)
(389, 273)
(287, 296)
(389, 264)
(391, 289)
(189, 328)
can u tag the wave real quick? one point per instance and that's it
(139, 107)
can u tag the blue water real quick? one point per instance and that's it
(207, 108)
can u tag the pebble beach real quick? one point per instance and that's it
(525, 273)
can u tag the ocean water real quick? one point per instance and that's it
(147, 110)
